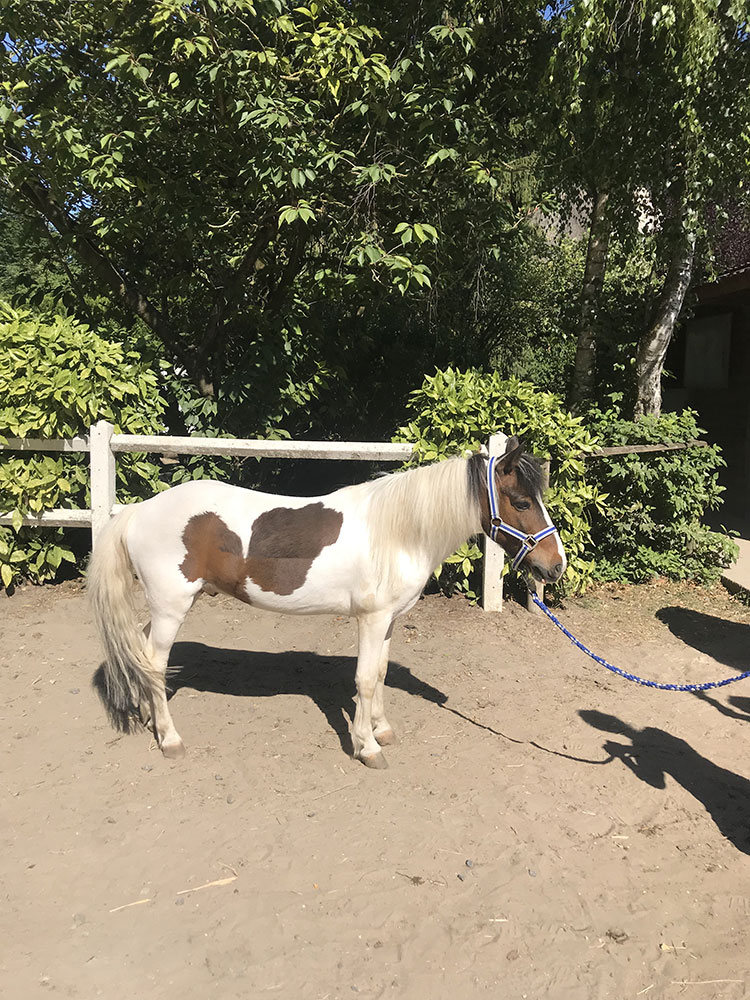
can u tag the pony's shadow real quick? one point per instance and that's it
(328, 681)
(726, 641)
(652, 754)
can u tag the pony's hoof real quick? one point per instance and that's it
(173, 750)
(387, 738)
(374, 760)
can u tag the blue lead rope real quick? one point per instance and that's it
(633, 677)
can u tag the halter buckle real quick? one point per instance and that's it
(530, 542)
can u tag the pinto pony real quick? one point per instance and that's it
(365, 551)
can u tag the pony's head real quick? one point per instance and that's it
(514, 515)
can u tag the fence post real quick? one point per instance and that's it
(530, 606)
(494, 557)
(102, 466)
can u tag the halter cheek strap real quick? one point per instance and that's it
(528, 542)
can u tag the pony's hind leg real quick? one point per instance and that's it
(162, 632)
(372, 637)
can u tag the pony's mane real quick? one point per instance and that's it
(432, 509)
(429, 508)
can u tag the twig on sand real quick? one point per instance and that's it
(332, 790)
(208, 885)
(640, 992)
(703, 982)
(138, 902)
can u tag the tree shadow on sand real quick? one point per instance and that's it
(653, 754)
(328, 681)
(726, 641)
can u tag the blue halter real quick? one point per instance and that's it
(528, 542)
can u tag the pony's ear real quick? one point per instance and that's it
(512, 456)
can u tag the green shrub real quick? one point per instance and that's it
(57, 377)
(656, 501)
(455, 411)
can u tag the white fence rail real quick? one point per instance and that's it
(102, 445)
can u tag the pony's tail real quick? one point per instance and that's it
(124, 679)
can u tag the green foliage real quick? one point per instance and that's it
(456, 411)
(350, 171)
(652, 526)
(31, 271)
(649, 106)
(56, 378)
(631, 285)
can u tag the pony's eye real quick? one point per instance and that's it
(521, 504)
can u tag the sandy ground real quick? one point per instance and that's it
(544, 830)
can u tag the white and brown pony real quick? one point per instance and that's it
(365, 551)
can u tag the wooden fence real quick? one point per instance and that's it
(102, 446)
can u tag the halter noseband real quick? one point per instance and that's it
(528, 542)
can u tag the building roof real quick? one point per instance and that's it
(731, 272)
(733, 250)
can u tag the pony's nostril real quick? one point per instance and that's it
(557, 571)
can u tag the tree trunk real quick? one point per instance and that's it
(652, 347)
(584, 372)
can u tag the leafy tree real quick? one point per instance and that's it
(32, 267)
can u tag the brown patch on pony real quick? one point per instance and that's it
(214, 554)
(284, 544)
(286, 541)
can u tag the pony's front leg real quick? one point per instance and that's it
(373, 632)
(381, 728)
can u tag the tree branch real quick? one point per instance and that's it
(124, 288)
(292, 268)
(228, 295)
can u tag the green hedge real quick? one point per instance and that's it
(56, 378)
(627, 518)
(652, 526)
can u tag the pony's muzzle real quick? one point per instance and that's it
(546, 574)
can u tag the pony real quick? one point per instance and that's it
(365, 551)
